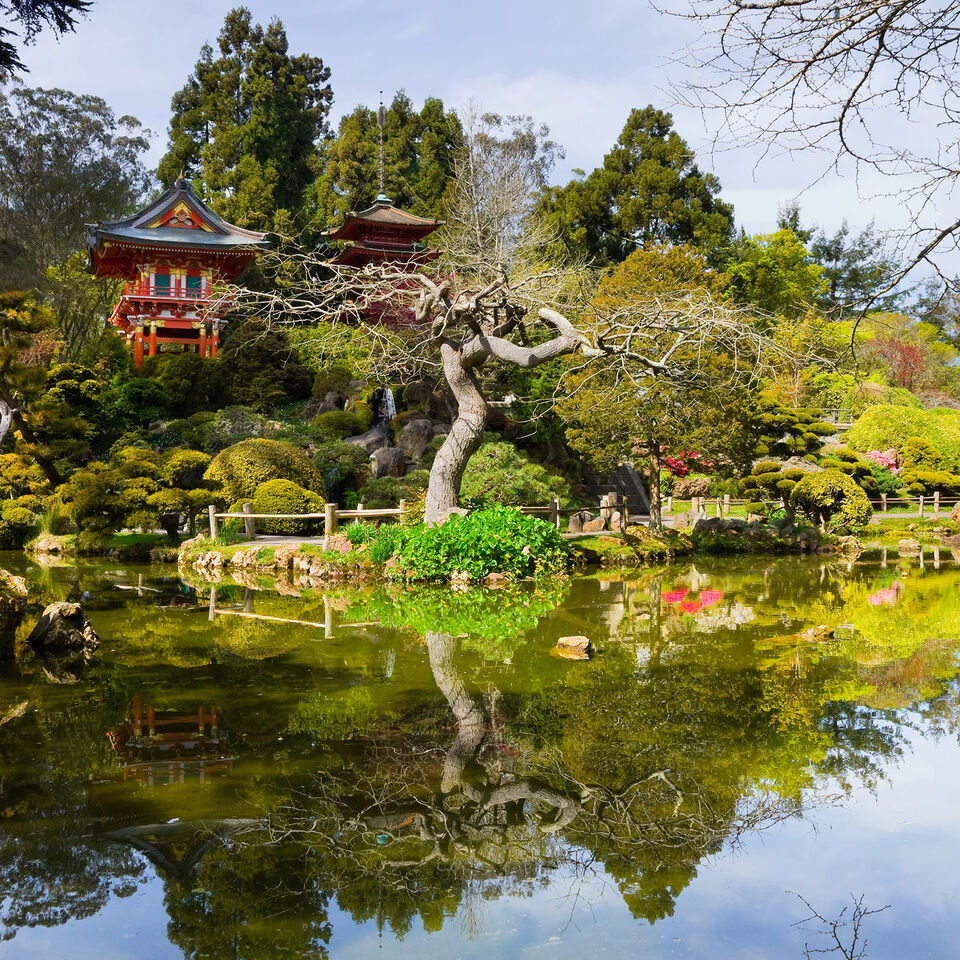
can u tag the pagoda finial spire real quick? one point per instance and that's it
(381, 121)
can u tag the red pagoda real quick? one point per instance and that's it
(382, 233)
(172, 254)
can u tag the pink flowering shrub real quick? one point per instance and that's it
(681, 464)
(885, 458)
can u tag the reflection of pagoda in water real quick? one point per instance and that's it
(170, 747)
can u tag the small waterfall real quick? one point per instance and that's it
(384, 407)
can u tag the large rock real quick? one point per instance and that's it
(595, 525)
(955, 514)
(573, 648)
(687, 487)
(577, 520)
(62, 630)
(389, 462)
(909, 547)
(414, 438)
(372, 440)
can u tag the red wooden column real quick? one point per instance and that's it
(216, 341)
(203, 339)
(138, 348)
(153, 339)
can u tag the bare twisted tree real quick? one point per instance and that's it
(871, 82)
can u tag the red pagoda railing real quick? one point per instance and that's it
(145, 289)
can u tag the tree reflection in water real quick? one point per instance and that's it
(691, 730)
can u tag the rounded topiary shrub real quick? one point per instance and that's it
(833, 500)
(338, 425)
(284, 496)
(241, 468)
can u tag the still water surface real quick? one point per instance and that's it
(411, 773)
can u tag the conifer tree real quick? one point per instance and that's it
(247, 123)
(648, 190)
(419, 150)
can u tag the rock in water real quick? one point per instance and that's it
(955, 514)
(63, 629)
(573, 648)
(909, 547)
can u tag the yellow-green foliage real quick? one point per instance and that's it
(240, 469)
(832, 499)
(283, 496)
(886, 426)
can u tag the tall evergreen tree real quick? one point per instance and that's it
(648, 191)
(247, 123)
(419, 149)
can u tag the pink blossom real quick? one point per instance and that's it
(691, 606)
(889, 594)
(675, 596)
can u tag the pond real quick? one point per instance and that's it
(242, 773)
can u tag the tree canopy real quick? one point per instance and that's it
(65, 161)
(648, 190)
(247, 123)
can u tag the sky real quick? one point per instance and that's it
(578, 67)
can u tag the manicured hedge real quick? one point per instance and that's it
(241, 468)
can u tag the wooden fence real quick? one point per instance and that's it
(610, 508)
(932, 505)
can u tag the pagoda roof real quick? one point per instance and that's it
(360, 254)
(383, 214)
(177, 219)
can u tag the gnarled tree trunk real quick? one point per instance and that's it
(464, 437)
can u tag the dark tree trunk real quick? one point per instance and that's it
(653, 457)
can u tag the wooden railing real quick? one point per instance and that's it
(610, 506)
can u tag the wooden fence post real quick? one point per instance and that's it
(555, 513)
(669, 504)
(403, 509)
(883, 502)
(249, 524)
(719, 508)
(726, 504)
(360, 506)
(921, 504)
(936, 502)
(625, 514)
(329, 521)
(212, 513)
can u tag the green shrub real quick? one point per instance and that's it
(334, 378)
(499, 473)
(18, 520)
(384, 543)
(832, 500)
(494, 540)
(924, 482)
(887, 481)
(386, 492)
(240, 469)
(920, 453)
(284, 496)
(337, 425)
(185, 468)
(360, 533)
(886, 426)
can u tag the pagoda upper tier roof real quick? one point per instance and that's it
(177, 219)
(383, 216)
